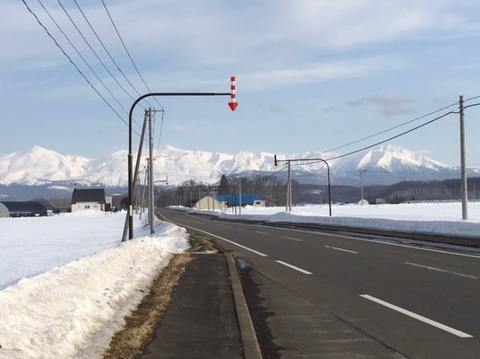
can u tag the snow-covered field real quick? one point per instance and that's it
(439, 218)
(66, 282)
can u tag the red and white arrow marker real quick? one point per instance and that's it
(233, 101)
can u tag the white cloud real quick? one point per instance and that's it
(314, 72)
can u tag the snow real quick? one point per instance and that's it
(40, 166)
(67, 282)
(437, 218)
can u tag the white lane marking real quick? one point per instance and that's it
(260, 232)
(294, 267)
(441, 270)
(292, 239)
(226, 240)
(385, 243)
(438, 325)
(341, 249)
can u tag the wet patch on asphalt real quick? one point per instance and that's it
(258, 310)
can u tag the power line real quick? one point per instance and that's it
(161, 131)
(93, 51)
(128, 52)
(105, 48)
(389, 129)
(72, 62)
(393, 137)
(80, 55)
(405, 132)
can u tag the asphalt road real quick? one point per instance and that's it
(327, 295)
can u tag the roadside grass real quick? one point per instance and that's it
(130, 342)
(199, 244)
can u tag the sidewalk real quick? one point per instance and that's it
(201, 321)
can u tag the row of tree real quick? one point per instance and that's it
(274, 190)
(189, 192)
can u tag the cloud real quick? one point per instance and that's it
(389, 105)
(314, 72)
(332, 109)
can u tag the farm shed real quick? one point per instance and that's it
(22, 209)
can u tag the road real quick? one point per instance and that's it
(331, 295)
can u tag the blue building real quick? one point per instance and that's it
(231, 200)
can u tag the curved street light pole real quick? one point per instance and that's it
(131, 184)
(328, 175)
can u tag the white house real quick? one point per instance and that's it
(85, 199)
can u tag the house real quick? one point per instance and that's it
(231, 200)
(84, 199)
(22, 209)
(210, 203)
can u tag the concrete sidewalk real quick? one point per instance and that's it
(201, 321)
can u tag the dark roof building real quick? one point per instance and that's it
(91, 198)
(22, 209)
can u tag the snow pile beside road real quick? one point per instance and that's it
(435, 218)
(72, 310)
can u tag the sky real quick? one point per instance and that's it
(311, 75)
(56, 326)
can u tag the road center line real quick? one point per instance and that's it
(417, 317)
(441, 270)
(292, 239)
(260, 232)
(341, 249)
(294, 267)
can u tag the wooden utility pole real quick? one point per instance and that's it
(464, 188)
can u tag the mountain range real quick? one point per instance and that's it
(386, 164)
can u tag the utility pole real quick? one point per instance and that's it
(464, 189)
(361, 186)
(288, 206)
(151, 209)
(240, 195)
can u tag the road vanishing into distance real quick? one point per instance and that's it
(315, 294)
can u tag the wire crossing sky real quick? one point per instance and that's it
(311, 77)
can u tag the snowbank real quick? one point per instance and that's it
(436, 218)
(73, 309)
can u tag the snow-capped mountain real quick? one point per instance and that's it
(383, 165)
(388, 164)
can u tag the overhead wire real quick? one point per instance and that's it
(81, 56)
(94, 52)
(402, 133)
(72, 62)
(393, 137)
(128, 52)
(105, 48)
(160, 133)
(389, 129)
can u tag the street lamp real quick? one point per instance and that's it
(309, 160)
(131, 184)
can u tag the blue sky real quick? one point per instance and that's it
(312, 75)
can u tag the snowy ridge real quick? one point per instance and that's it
(389, 163)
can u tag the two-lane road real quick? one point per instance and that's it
(323, 295)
